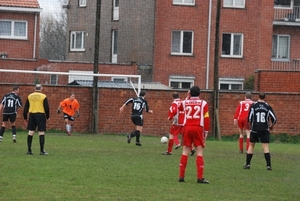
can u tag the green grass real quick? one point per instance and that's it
(105, 167)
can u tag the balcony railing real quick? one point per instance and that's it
(288, 14)
(292, 65)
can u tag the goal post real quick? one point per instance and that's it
(138, 77)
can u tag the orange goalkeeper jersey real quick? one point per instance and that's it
(69, 107)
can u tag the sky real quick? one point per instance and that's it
(50, 6)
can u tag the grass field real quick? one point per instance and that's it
(105, 167)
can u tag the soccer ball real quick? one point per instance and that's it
(164, 140)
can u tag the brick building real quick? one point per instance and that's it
(19, 29)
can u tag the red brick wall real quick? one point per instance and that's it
(111, 121)
(21, 49)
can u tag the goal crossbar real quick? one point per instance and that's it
(80, 74)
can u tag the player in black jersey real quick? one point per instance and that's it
(138, 105)
(262, 119)
(9, 105)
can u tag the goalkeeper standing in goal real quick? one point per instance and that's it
(69, 107)
(138, 105)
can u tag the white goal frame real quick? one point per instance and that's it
(81, 74)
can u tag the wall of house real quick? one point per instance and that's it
(156, 124)
(21, 49)
(171, 17)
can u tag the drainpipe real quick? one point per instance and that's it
(34, 40)
(208, 44)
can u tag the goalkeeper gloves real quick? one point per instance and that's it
(58, 111)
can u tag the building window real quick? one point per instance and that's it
(184, 2)
(53, 79)
(82, 3)
(232, 45)
(114, 46)
(116, 10)
(119, 79)
(280, 46)
(181, 82)
(231, 84)
(77, 41)
(80, 76)
(283, 3)
(13, 29)
(182, 42)
(234, 3)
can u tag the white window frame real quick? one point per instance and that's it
(231, 81)
(116, 10)
(82, 3)
(118, 79)
(234, 3)
(12, 30)
(73, 40)
(114, 46)
(53, 79)
(181, 40)
(80, 77)
(180, 79)
(184, 2)
(232, 45)
(276, 53)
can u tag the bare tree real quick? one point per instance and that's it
(53, 36)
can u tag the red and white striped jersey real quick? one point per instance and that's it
(175, 114)
(196, 112)
(243, 109)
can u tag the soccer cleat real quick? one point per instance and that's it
(128, 139)
(178, 146)
(43, 153)
(69, 133)
(167, 153)
(202, 181)
(241, 151)
(14, 139)
(181, 180)
(29, 153)
(246, 166)
(269, 168)
(193, 152)
(138, 144)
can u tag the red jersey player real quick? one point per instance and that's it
(241, 120)
(177, 125)
(195, 131)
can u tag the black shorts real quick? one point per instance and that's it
(260, 136)
(66, 116)
(137, 120)
(11, 117)
(37, 121)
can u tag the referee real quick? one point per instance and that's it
(38, 108)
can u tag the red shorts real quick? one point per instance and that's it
(193, 135)
(176, 130)
(243, 124)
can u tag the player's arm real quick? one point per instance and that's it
(206, 120)
(172, 111)
(126, 103)
(26, 108)
(147, 108)
(236, 114)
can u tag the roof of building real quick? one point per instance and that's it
(20, 3)
(122, 85)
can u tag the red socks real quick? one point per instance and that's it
(182, 165)
(241, 144)
(200, 166)
(170, 145)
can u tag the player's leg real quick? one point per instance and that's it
(253, 140)
(170, 144)
(41, 131)
(241, 136)
(186, 148)
(265, 139)
(2, 130)
(67, 124)
(199, 143)
(13, 127)
(138, 134)
(247, 139)
(31, 126)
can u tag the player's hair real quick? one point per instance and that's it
(38, 87)
(261, 95)
(175, 95)
(195, 91)
(15, 88)
(142, 93)
(248, 95)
